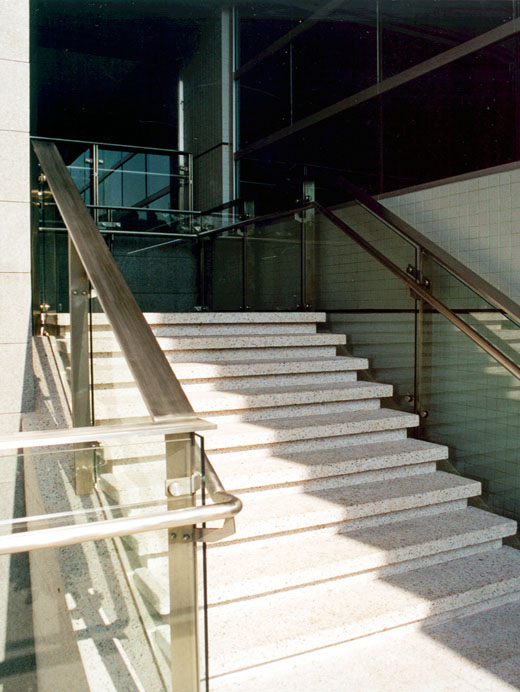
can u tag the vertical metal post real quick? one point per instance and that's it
(182, 560)
(80, 370)
(190, 182)
(249, 213)
(307, 260)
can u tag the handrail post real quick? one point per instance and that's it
(307, 235)
(182, 564)
(79, 293)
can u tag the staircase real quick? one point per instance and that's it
(348, 528)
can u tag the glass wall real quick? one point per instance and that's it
(329, 112)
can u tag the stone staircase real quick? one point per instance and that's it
(348, 528)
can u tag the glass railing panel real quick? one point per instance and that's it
(365, 301)
(53, 259)
(472, 405)
(223, 271)
(480, 314)
(274, 264)
(115, 396)
(149, 245)
(379, 234)
(95, 615)
(132, 177)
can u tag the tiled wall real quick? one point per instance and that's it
(477, 221)
(15, 260)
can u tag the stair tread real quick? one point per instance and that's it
(246, 368)
(205, 400)
(237, 469)
(339, 610)
(281, 429)
(63, 318)
(247, 569)
(231, 341)
(349, 500)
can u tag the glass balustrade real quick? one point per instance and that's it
(97, 614)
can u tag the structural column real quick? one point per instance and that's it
(15, 239)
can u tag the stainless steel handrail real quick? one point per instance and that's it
(48, 438)
(226, 506)
(161, 391)
(423, 293)
(465, 274)
(110, 145)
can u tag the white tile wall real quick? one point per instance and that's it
(477, 221)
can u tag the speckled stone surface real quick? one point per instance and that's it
(214, 317)
(250, 569)
(333, 614)
(337, 501)
(108, 371)
(235, 341)
(310, 428)
(112, 403)
(478, 653)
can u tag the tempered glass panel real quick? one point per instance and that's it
(54, 270)
(474, 310)
(223, 271)
(368, 304)
(85, 609)
(473, 407)
(274, 258)
(132, 178)
(382, 237)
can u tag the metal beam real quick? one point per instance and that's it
(500, 33)
(289, 36)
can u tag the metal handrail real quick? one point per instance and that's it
(423, 293)
(465, 274)
(159, 387)
(47, 438)
(110, 144)
(226, 507)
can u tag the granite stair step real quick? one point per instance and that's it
(227, 342)
(114, 403)
(256, 468)
(310, 428)
(266, 513)
(255, 568)
(106, 371)
(209, 318)
(333, 612)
